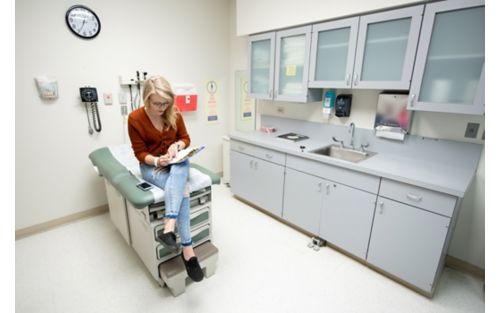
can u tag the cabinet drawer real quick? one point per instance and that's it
(340, 175)
(433, 201)
(259, 152)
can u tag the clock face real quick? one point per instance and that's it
(83, 21)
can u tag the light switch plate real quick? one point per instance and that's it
(471, 130)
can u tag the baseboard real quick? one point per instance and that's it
(38, 228)
(463, 266)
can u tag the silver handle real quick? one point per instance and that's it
(269, 156)
(327, 189)
(251, 164)
(381, 206)
(241, 148)
(320, 187)
(412, 99)
(348, 79)
(414, 197)
(355, 79)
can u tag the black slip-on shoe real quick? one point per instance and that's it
(193, 268)
(168, 240)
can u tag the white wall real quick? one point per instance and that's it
(468, 243)
(186, 41)
(254, 16)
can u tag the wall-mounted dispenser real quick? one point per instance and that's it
(343, 105)
(329, 104)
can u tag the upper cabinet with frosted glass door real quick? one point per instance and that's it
(279, 65)
(261, 49)
(374, 51)
(449, 68)
(291, 73)
(385, 53)
(332, 53)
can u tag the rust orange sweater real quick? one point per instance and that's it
(146, 139)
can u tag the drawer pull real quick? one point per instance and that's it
(241, 148)
(269, 156)
(319, 187)
(413, 197)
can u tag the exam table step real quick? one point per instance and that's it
(174, 273)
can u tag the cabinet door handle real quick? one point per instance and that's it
(256, 164)
(381, 206)
(348, 79)
(251, 164)
(327, 189)
(355, 79)
(412, 99)
(241, 148)
(269, 156)
(320, 187)
(414, 197)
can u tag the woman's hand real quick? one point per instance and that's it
(164, 160)
(173, 149)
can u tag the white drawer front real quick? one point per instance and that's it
(434, 201)
(340, 175)
(259, 152)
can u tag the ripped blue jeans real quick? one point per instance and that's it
(173, 182)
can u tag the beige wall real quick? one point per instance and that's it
(468, 243)
(256, 16)
(186, 41)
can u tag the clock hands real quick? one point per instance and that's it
(82, 25)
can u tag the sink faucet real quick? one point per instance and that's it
(352, 128)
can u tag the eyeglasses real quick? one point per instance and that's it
(160, 104)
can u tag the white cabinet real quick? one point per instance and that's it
(261, 55)
(340, 214)
(411, 231)
(449, 67)
(346, 218)
(255, 179)
(333, 49)
(279, 66)
(303, 196)
(408, 242)
(382, 58)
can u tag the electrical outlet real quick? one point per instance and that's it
(281, 109)
(471, 130)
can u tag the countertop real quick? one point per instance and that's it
(450, 174)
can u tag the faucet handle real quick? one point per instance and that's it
(364, 146)
(338, 141)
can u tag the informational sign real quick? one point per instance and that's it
(211, 107)
(247, 104)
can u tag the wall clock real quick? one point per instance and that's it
(83, 22)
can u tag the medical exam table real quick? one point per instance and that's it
(138, 215)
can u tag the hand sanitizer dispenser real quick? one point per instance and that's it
(329, 104)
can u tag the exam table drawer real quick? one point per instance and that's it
(198, 236)
(198, 218)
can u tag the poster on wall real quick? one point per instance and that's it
(211, 106)
(247, 104)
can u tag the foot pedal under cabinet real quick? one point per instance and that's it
(174, 274)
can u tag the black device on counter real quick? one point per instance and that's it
(343, 105)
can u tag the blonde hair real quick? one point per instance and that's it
(160, 86)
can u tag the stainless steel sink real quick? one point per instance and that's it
(345, 154)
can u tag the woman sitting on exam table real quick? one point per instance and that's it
(157, 132)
